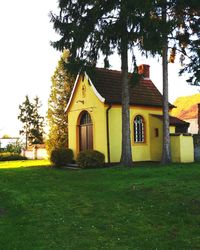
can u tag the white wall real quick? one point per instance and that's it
(34, 154)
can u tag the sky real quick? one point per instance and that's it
(28, 61)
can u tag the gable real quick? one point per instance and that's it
(82, 82)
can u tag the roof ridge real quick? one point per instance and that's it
(106, 69)
(119, 71)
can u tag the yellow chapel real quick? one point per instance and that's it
(94, 118)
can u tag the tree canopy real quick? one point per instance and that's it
(32, 121)
(182, 27)
(62, 84)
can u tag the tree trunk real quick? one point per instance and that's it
(26, 145)
(126, 156)
(166, 153)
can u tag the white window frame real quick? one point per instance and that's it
(139, 129)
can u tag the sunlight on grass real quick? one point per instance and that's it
(24, 163)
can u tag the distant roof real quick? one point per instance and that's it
(191, 112)
(173, 120)
(108, 83)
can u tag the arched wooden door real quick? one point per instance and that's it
(85, 132)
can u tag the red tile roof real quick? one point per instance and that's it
(190, 113)
(108, 84)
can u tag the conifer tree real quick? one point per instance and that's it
(90, 28)
(170, 24)
(32, 121)
(62, 84)
(37, 130)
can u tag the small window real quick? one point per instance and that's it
(156, 131)
(139, 129)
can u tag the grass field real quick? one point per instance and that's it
(149, 207)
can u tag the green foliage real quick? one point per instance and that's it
(32, 121)
(90, 159)
(62, 84)
(61, 157)
(15, 147)
(193, 66)
(37, 123)
(8, 156)
(98, 29)
(178, 21)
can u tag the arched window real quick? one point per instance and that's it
(85, 132)
(85, 119)
(139, 135)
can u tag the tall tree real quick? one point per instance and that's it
(32, 121)
(25, 116)
(37, 129)
(166, 152)
(169, 23)
(90, 28)
(62, 84)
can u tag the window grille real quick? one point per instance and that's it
(139, 129)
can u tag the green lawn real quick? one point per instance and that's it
(148, 207)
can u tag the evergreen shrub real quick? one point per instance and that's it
(90, 159)
(61, 156)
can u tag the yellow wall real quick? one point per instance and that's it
(172, 129)
(175, 148)
(182, 149)
(115, 128)
(96, 109)
(156, 141)
(187, 148)
(140, 151)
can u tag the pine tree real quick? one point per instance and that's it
(62, 84)
(32, 122)
(25, 117)
(37, 129)
(170, 23)
(93, 28)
